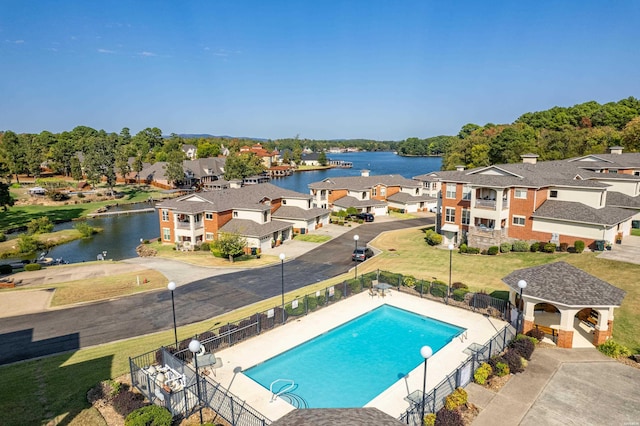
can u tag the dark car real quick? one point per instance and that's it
(361, 254)
(367, 217)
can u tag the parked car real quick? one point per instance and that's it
(361, 254)
(367, 217)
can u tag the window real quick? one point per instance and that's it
(613, 171)
(466, 216)
(466, 192)
(521, 193)
(208, 236)
(364, 195)
(451, 190)
(518, 220)
(265, 217)
(166, 234)
(235, 214)
(208, 216)
(165, 215)
(284, 201)
(553, 194)
(374, 191)
(450, 214)
(383, 191)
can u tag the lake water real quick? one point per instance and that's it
(122, 234)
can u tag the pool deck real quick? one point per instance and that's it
(479, 329)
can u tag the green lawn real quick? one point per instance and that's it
(35, 392)
(635, 231)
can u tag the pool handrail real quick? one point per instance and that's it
(274, 396)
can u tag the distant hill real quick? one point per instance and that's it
(206, 135)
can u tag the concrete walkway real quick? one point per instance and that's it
(560, 387)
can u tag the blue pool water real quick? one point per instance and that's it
(353, 363)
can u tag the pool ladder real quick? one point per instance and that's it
(274, 396)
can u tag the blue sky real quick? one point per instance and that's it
(384, 70)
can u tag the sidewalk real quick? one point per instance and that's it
(562, 386)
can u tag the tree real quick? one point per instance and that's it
(6, 200)
(137, 166)
(122, 162)
(174, 171)
(242, 165)
(35, 153)
(322, 158)
(631, 135)
(208, 149)
(230, 244)
(13, 153)
(75, 168)
(100, 160)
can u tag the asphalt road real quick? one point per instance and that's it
(29, 336)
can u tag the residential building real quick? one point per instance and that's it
(269, 158)
(591, 198)
(263, 214)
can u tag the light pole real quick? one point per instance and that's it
(194, 347)
(450, 261)
(426, 353)
(282, 256)
(172, 286)
(356, 238)
(522, 284)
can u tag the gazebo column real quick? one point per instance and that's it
(602, 330)
(528, 319)
(565, 332)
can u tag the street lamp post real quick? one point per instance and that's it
(450, 262)
(356, 238)
(522, 284)
(172, 286)
(194, 347)
(426, 353)
(282, 256)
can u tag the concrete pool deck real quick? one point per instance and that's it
(479, 329)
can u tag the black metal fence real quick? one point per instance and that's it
(234, 410)
(434, 399)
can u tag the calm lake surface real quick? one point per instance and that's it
(122, 234)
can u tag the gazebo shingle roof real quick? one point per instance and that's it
(337, 416)
(565, 284)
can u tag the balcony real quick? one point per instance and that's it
(491, 204)
(187, 225)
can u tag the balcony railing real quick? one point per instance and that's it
(187, 225)
(486, 204)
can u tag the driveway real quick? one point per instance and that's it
(205, 296)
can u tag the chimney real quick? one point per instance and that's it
(459, 168)
(529, 158)
(364, 172)
(616, 150)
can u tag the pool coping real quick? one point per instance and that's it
(479, 329)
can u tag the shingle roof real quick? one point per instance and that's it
(337, 416)
(577, 212)
(348, 201)
(249, 228)
(291, 212)
(565, 284)
(403, 197)
(619, 199)
(364, 182)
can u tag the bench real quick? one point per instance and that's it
(547, 330)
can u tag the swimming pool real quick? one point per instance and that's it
(351, 364)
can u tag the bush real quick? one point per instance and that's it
(536, 334)
(446, 417)
(535, 247)
(80, 195)
(501, 369)
(505, 247)
(549, 248)
(459, 293)
(205, 246)
(521, 246)
(432, 237)
(58, 196)
(493, 250)
(463, 248)
(455, 399)
(533, 340)
(614, 349)
(2, 237)
(458, 285)
(32, 267)
(151, 415)
(579, 246)
(564, 247)
(5, 269)
(514, 360)
(429, 420)
(524, 347)
(85, 230)
(126, 402)
(473, 250)
(438, 289)
(482, 373)
(39, 226)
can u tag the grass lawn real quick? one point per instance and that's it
(635, 231)
(10, 247)
(312, 238)
(37, 391)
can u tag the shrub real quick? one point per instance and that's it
(85, 230)
(549, 248)
(446, 417)
(534, 340)
(205, 246)
(57, 196)
(521, 246)
(458, 285)
(493, 250)
(39, 226)
(5, 269)
(524, 347)
(429, 420)
(432, 237)
(482, 373)
(473, 250)
(579, 246)
(455, 399)
(32, 267)
(80, 195)
(126, 402)
(514, 360)
(2, 237)
(536, 333)
(613, 349)
(459, 293)
(535, 247)
(505, 247)
(564, 247)
(438, 289)
(463, 248)
(501, 369)
(151, 415)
